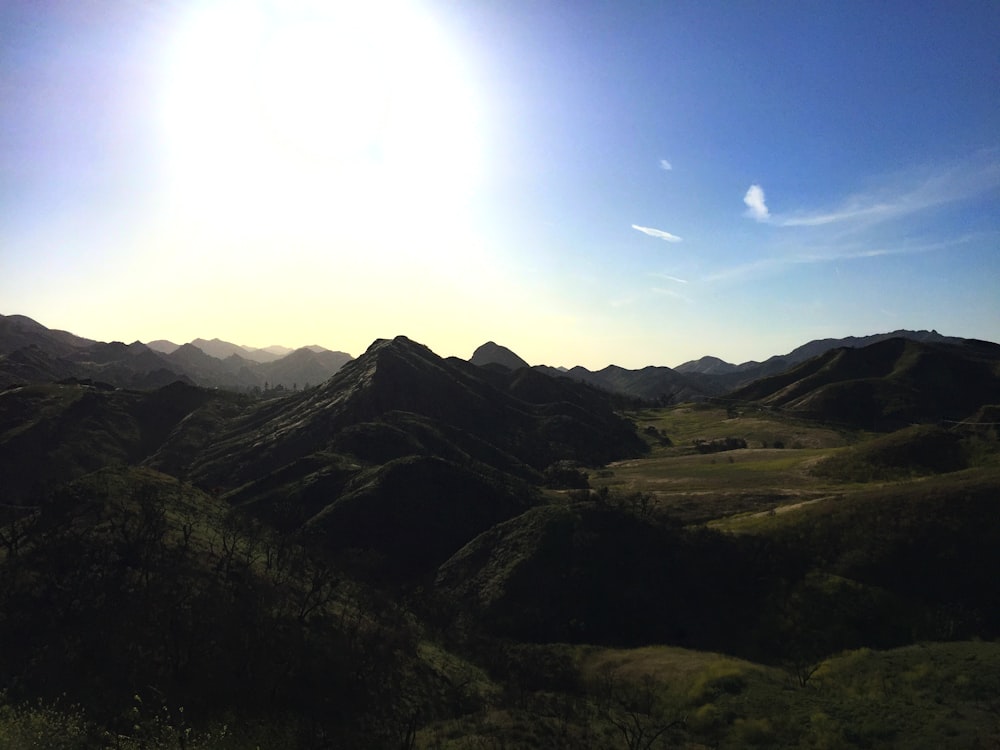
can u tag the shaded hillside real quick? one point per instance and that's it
(146, 603)
(413, 513)
(886, 385)
(459, 404)
(717, 376)
(51, 434)
(31, 364)
(594, 574)
(911, 451)
(881, 568)
(935, 542)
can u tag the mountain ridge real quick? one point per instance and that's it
(708, 376)
(61, 354)
(30, 352)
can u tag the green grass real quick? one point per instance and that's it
(736, 490)
(929, 695)
(699, 488)
(685, 423)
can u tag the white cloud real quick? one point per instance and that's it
(665, 165)
(756, 207)
(658, 233)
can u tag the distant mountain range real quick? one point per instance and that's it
(30, 352)
(705, 377)
(889, 377)
(222, 349)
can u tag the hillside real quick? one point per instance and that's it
(886, 385)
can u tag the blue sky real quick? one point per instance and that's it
(586, 183)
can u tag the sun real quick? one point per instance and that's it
(309, 113)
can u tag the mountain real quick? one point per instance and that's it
(303, 367)
(400, 386)
(17, 331)
(222, 349)
(31, 364)
(491, 353)
(716, 376)
(205, 369)
(243, 367)
(887, 384)
(118, 364)
(709, 366)
(163, 346)
(701, 378)
(32, 353)
(658, 384)
(275, 350)
(466, 446)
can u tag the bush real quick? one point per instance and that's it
(565, 475)
(43, 726)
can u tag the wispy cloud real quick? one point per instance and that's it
(765, 266)
(756, 206)
(854, 210)
(898, 195)
(665, 165)
(658, 233)
(668, 277)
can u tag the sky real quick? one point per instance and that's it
(586, 183)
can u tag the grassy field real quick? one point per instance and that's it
(686, 423)
(700, 487)
(739, 489)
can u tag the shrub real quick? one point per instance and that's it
(43, 726)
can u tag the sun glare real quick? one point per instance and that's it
(314, 114)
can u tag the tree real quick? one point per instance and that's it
(636, 709)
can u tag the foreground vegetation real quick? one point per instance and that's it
(756, 580)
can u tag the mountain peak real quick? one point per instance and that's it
(492, 353)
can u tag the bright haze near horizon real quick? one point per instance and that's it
(586, 183)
